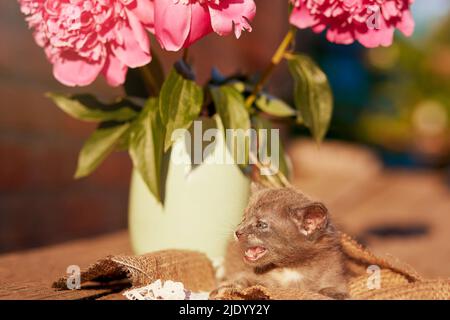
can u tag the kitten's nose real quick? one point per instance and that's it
(238, 234)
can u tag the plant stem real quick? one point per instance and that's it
(270, 178)
(275, 61)
(150, 82)
(279, 179)
(185, 54)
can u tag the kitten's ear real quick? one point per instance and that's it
(256, 187)
(311, 219)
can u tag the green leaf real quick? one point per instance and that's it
(274, 106)
(180, 103)
(265, 142)
(230, 106)
(98, 146)
(88, 108)
(238, 85)
(312, 95)
(146, 146)
(145, 81)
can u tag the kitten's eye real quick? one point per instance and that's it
(261, 225)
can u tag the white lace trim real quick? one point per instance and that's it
(169, 290)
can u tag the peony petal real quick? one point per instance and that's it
(172, 23)
(371, 22)
(389, 10)
(80, 36)
(114, 71)
(407, 24)
(130, 53)
(319, 28)
(301, 18)
(144, 11)
(372, 38)
(200, 23)
(72, 70)
(139, 32)
(340, 35)
(232, 13)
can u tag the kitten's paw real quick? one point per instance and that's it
(224, 292)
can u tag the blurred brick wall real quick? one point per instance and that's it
(40, 203)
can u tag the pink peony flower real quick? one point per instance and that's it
(83, 38)
(179, 23)
(371, 22)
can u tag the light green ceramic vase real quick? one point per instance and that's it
(202, 206)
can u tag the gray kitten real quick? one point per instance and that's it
(286, 240)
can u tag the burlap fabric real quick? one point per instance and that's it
(398, 281)
(191, 268)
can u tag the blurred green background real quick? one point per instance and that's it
(395, 99)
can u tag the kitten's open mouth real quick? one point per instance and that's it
(254, 253)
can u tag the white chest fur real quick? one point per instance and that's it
(286, 276)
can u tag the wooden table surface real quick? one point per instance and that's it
(361, 195)
(29, 275)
